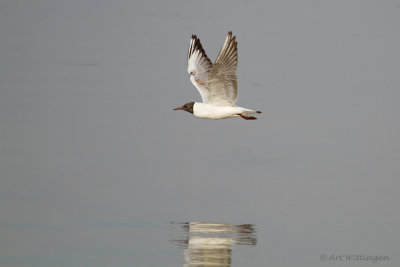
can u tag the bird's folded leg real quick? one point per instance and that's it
(247, 117)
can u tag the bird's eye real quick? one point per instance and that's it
(191, 73)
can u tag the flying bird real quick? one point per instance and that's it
(216, 83)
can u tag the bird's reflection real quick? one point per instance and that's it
(210, 244)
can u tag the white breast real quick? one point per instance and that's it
(208, 111)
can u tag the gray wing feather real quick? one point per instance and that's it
(222, 80)
(199, 66)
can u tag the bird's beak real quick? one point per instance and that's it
(180, 108)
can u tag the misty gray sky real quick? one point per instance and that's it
(93, 160)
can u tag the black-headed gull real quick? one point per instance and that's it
(217, 84)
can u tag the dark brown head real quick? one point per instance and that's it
(187, 107)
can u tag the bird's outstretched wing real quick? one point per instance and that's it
(222, 80)
(199, 66)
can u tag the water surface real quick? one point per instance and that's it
(95, 164)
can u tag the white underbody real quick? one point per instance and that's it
(209, 111)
